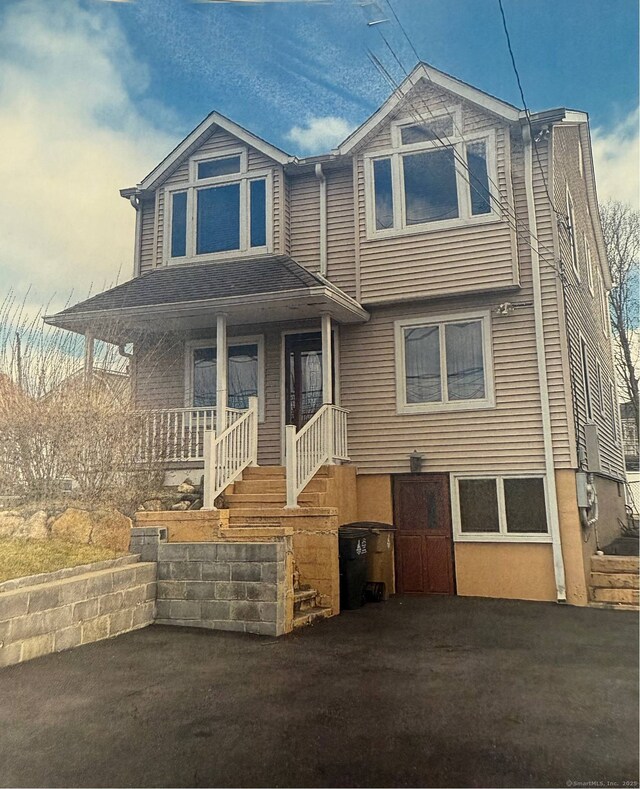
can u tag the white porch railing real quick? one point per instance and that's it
(322, 440)
(227, 455)
(177, 434)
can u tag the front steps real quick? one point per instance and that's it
(265, 487)
(615, 582)
(306, 608)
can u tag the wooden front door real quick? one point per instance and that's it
(424, 542)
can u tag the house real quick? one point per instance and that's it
(631, 448)
(422, 311)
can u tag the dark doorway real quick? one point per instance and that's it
(303, 377)
(424, 541)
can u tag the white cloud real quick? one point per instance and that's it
(71, 136)
(320, 135)
(617, 161)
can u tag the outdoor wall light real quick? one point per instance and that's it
(415, 462)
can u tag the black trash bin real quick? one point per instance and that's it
(353, 567)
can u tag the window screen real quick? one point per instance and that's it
(257, 194)
(430, 189)
(383, 193)
(179, 225)
(465, 365)
(422, 364)
(478, 505)
(525, 506)
(478, 178)
(218, 219)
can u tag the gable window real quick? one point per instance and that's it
(245, 373)
(443, 363)
(500, 508)
(222, 210)
(429, 178)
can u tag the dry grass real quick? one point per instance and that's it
(19, 558)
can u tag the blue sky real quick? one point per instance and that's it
(94, 93)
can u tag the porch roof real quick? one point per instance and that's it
(264, 289)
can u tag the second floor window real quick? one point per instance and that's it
(223, 209)
(431, 177)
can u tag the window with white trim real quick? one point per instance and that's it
(500, 507)
(245, 372)
(444, 363)
(586, 384)
(224, 209)
(604, 305)
(572, 230)
(431, 177)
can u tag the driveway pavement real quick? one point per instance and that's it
(413, 692)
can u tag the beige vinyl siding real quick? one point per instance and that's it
(304, 202)
(448, 261)
(583, 310)
(507, 437)
(219, 143)
(147, 218)
(559, 393)
(340, 232)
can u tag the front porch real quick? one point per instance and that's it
(251, 374)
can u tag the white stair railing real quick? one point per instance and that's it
(322, 440)
(177, 434)
(227, 455)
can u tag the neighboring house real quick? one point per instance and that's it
(411, 301)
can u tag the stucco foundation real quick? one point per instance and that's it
(375, 499)
(518, 571)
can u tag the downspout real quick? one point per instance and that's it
(136, 203)
(554, 523)
(323, 219)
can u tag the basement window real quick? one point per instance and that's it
(501, 507)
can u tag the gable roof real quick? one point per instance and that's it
(195, 138)
(423, 71)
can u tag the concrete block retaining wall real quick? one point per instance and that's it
(224, 586)
(56, 611)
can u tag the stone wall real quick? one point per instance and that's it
(243, 585)
(57, 611)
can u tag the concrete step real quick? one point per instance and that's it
(305, 601)
(264, 472)
(615, 606)
(616, 580)
(626, 596)
(309, 617)
(615, 564)
(276, 485)
(269, 500)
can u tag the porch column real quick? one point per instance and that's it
(327, 363)
(222, 394)
(89, 347)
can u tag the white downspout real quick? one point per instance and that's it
(137, 249)
(323, 219)
(554, 523)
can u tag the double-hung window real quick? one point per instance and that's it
(495, 508)
(222, 210)
(245, 373)
(430, 178)
(444, 363)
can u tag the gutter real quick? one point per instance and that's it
(323, 218)
(552, 494)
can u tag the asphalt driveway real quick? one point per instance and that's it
(413, 692)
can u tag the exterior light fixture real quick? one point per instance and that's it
(415, 462)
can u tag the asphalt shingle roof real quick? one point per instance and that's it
(198, 282)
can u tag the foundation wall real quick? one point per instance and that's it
(374, 498)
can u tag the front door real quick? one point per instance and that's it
(303, 377)
(424, 543)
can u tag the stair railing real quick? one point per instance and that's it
(322, 440)
(227, 455)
